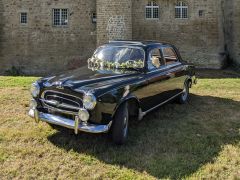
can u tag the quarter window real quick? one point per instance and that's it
(152, 10)
(60, 17)
(181, 10)
(169, 55)
(23, 18)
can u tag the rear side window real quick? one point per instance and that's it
(155, 59)
(169, 55)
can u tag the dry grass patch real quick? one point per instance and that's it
(198, 140)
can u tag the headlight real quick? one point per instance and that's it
(35, 89)
(89, 101)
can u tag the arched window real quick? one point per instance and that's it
(152, 10)
(181, 10)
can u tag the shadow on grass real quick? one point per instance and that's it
(173, 142)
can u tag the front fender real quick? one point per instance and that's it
(109, 103)
(130, 97)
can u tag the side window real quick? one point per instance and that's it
(169, 55)
(155, 59)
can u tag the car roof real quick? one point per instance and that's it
(144, 44)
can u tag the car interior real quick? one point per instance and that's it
(169, 57)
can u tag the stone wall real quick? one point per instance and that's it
(2, 21)
(39, 48)
(231, 9)
(200, 39)
(114, 20)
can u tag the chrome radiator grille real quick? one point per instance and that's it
(61, 102)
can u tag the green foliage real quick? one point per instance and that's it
(8, 81)
(14, 71)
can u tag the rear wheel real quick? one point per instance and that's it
(120, 125)
(183, 98)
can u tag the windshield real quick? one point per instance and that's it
(117, 57)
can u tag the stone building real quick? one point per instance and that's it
(39, 37)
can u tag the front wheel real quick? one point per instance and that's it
(120, 125)
(183, 98)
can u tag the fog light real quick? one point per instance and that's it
(33, 104)
(83, 115)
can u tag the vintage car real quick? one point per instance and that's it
(123, 79)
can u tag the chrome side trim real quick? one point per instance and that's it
(69, 123)
(144, 113)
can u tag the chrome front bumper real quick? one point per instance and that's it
(69, 123)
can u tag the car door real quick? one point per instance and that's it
(157, 89)
(175, 70)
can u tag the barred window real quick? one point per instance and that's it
(23, 18)
(60, 17)
(181, 10)
(152, 10)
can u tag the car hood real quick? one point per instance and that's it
(87, 80)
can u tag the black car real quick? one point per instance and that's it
(122, 79)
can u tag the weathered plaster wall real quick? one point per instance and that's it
(200, 39)
(40, 48)
(114, 20)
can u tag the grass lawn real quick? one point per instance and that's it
(198, 140)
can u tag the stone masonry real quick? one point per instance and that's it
(114, 20)
(208, 37)
(231, 17)
(38, 48)
(200, 39)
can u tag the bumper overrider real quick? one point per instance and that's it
(76, 124)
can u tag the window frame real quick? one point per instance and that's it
(21, 18)
(60, 20)
(152, 7)
(183, 5)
